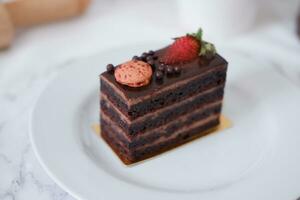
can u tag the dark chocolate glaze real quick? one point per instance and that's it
(188, 70)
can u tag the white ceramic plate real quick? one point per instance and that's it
(258, 158)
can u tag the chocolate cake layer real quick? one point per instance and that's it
(165, 130)
(182, 137)
(165, 96)
(146, 141)
(125, 156)
(163, 115)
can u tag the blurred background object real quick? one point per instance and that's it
(219, 19)
(225, 20)
(298, 24)
(278, 9)
(6, 28)
(22, 13)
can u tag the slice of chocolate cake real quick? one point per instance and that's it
(162, 99)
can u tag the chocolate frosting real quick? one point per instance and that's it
(193, 68)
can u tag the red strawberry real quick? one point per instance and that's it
(184, 49)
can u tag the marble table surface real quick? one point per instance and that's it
(39, 54)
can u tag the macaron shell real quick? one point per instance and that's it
(133, 73)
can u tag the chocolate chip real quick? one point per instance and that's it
(110, 68)
(159, 75)
(170, 70)
(144, 56)
(161, 68)
(150, 62)
(149, 58)
(135, 58)
(177, 70)
(151, 52)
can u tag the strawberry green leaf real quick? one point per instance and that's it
(197, 35)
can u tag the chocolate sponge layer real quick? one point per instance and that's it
(132, 156)
(165, 130)
(175, 93)
(161, 116)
